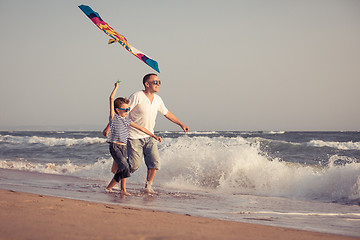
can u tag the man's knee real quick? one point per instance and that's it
(133, 167)
(134, 161)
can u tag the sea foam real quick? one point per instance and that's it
(236, 166)
(337, 145)
(49, 141)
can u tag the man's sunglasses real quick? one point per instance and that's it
(156, 82)
(125, 109)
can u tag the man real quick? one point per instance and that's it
(144, 106)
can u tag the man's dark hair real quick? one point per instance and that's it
(147, 77)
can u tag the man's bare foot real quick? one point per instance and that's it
(148, 188)
(125, 193)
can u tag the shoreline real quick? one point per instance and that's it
(46, 217)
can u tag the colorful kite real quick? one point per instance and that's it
(115, 37)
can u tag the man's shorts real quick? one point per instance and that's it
(143, 147)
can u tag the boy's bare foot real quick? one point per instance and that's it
(108, 190)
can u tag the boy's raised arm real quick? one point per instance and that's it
(111, 99)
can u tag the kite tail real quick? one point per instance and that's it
(152, 63)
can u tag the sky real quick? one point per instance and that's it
(245, 65)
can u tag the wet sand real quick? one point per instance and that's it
(34, 216)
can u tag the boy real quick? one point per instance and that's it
(119, 132)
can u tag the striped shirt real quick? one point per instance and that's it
(119, 129)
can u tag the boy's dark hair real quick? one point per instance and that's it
(119, 101)
(147, 77)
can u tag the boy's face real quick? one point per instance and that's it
(123, 113)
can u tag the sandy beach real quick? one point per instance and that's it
(34, 216)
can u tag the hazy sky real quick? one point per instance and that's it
(225, 65)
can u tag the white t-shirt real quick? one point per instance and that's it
(143, 113)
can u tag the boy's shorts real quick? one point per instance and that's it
(143, 147)
(119, 154)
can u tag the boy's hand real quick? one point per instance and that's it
(116, 84)
(105, 133)
(158, 138)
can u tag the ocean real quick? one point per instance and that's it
(302, 180)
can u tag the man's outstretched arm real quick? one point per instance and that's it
(175, 120)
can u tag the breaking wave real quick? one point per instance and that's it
(49, 141)
(337, 145)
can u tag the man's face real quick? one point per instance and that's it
(154, 83)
